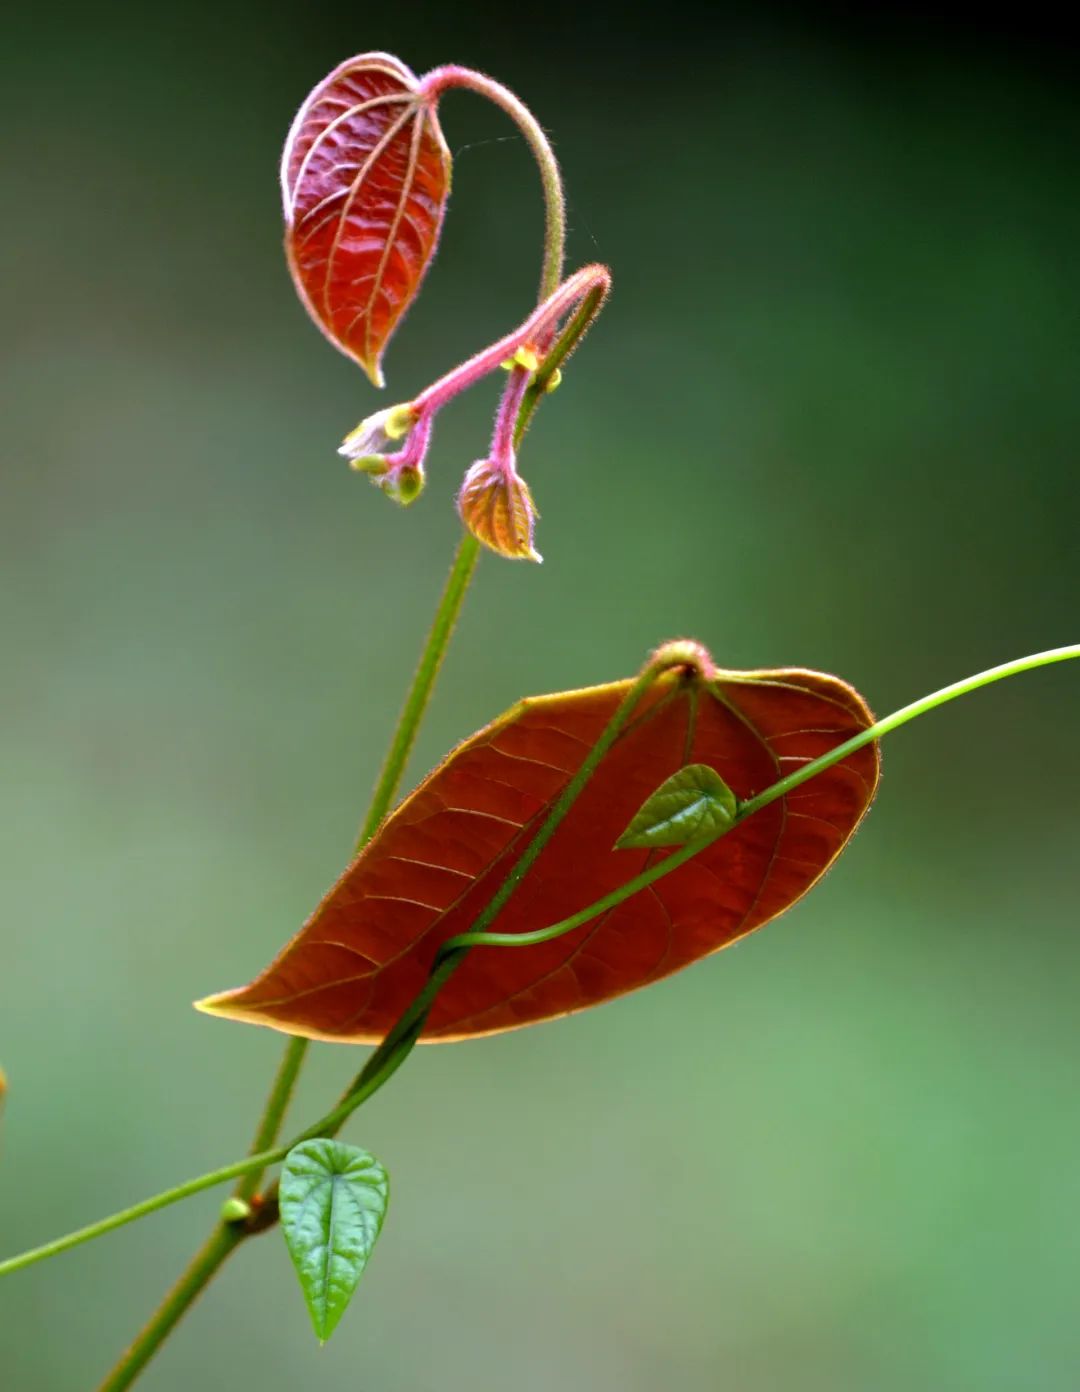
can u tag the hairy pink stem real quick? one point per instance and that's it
(502, 437)
(538, 328)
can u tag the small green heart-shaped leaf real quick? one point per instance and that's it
(333, 1201)
(691, 804)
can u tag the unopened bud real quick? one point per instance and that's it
(554, 382)
(235, 1210)
(400, 420)
(524, 356)
(373, 464)
(404, 485)
(527, 358)
(379, 431)
(497, 507)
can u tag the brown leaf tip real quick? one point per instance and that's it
(221, 1006)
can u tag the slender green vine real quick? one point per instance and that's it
(392, 1052)
(447, 613)
(477, 938)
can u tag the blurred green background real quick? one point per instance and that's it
(830, 417)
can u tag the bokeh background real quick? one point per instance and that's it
(830, 417)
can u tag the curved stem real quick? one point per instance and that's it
(746, 809)
(539, 326)
(443, 79)
(901, 717)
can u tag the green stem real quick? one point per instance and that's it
(438, 640)
(140, 1210)
(273, 1113)
(476, 938)
(224, 1239)
(255, 1163)
(554, 358)
(165, 1317)
(903, 715)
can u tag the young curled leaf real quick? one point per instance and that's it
(364, 179)
(691, 804)
(497, 507)
(333, 1201)
(439, 858)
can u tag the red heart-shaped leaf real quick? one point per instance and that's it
(364, 179)
(438, 859)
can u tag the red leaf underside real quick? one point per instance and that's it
(438, 859)
(365, 177)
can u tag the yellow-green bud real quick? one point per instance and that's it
(404, 485)
(526, 357)
(399, 420)
(373, 464)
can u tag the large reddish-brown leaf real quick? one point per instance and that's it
(437, 860)
(364, 179)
